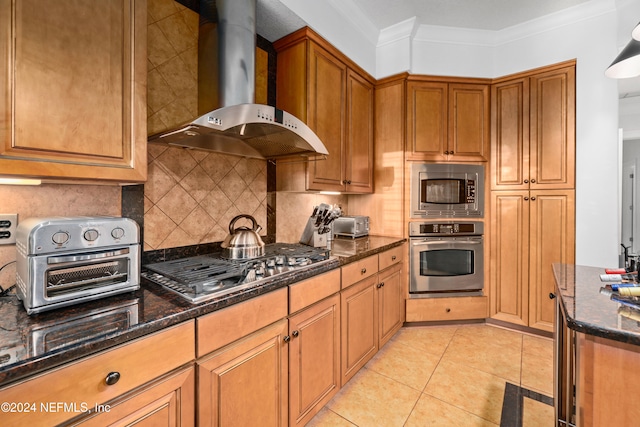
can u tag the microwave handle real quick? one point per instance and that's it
(443, 242)
(87, 257)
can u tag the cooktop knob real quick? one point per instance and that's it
(117, 233)
(91, 234)
(60, 238)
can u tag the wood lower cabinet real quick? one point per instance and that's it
(390, 302)
(73, 97)
(530, 230)
(314, 359)
(169, 401)
(447, 120)
(82, 385)
(533, 129)
(246, 382)
(334, 96)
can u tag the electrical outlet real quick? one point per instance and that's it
(8, 224)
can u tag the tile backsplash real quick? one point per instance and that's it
(191, 196)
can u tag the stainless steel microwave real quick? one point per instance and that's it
(447, 190)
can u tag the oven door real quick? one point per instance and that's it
(440, 266)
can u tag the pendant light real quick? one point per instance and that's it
(636, 33)
(627, 63)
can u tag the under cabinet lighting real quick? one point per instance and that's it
(330, 193)
(19, 181)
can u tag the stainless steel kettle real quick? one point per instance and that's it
(243, 242)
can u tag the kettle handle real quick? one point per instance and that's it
(255, 226)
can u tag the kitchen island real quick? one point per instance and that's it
(33, 347)
(597, 351)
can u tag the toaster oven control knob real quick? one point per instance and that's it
(60, 237)
(117, 233)
(91, 234)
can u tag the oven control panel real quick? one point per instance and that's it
(420, 229)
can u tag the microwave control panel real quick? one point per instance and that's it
(445, 228)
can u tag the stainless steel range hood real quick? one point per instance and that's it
(239, 126)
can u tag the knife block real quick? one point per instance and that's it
(311, 237)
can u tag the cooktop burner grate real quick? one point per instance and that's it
(203, 277)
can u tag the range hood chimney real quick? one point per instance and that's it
(236, 125)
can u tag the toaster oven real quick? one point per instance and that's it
(62, 261)
(351, 226)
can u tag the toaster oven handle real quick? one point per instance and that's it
(86, 257)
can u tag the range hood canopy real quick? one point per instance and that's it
(239, 127)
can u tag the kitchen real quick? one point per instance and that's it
(596, 241)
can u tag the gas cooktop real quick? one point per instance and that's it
(204, 277)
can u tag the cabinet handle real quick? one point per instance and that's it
(295, 333)
(526, 198)
(552, 295)
(381, 284)
(451, 152)
(364, 270)
(533, 180)
(533, 199)
(448, 310)
(112, 378)
(526, 181)
(393, 258)
(349, 182)
(446, 152)
(286, 338)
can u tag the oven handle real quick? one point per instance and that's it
(477, 241)
(87, 257)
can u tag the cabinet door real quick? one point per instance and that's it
(359, 154)
(390, 303)
(326, 117)
(510, 135)
(314, 359)
(469, 122)
(552, 150)
(246, 381)
(509, 256)
(552, 240)
(169, 401)
(359, 326)
(427, 110)
(73, 97)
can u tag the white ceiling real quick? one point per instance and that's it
(275, 20)
(475, 14)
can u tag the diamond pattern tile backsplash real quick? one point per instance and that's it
(191, 196)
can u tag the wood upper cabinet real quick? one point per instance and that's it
(330, 93)
(447, 121)
(73, 97)
(533, 135)
(530, 230)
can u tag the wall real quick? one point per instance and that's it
(53, 200)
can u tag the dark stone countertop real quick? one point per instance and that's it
(33, 344)
(590, 309)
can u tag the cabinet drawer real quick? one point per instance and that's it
(229, 324)
(68, 391)
(390, 257)
(459, 308)
(307, 292)
(359, 270)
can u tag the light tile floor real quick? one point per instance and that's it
(446, 376)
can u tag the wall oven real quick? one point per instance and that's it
(446, 259)
(447, 190)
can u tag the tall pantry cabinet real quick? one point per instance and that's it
(532, 191)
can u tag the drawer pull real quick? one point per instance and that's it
(295, 333)
(112, 378)
(552, 295)
(393, 258)
(381, 284)
(448, 310)
(363, 271)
